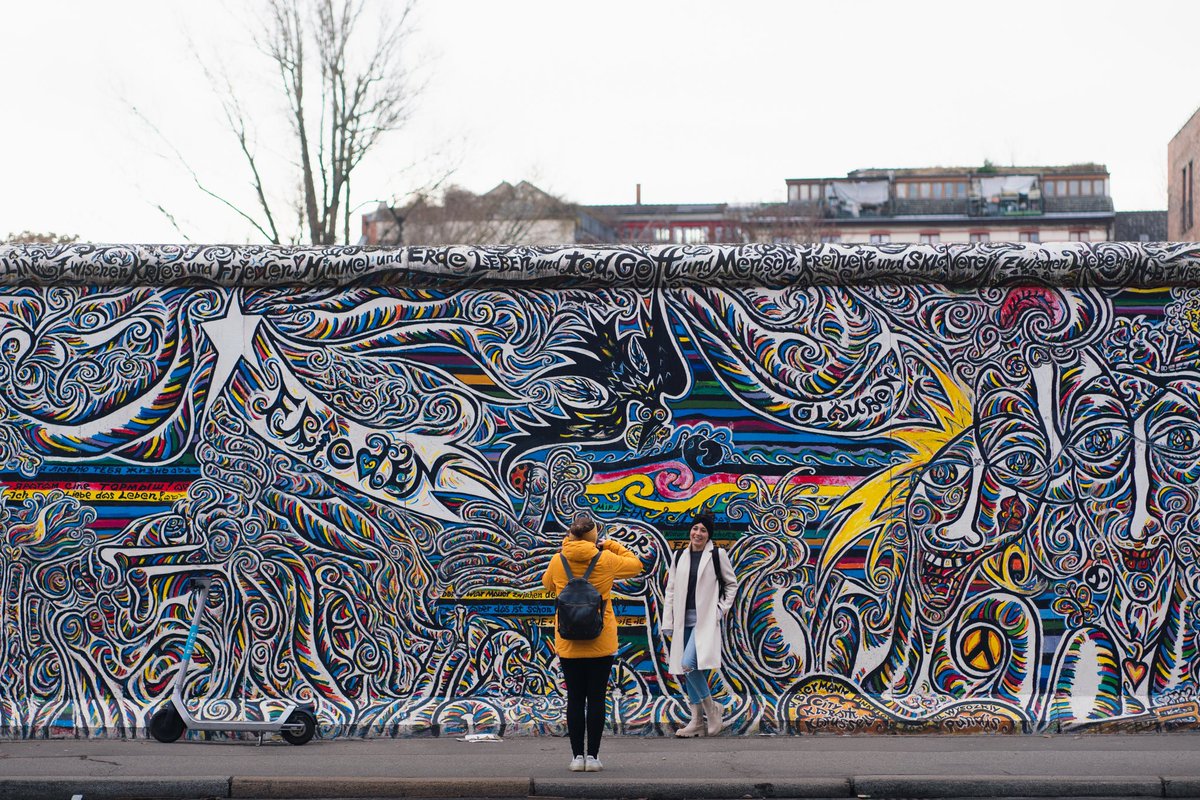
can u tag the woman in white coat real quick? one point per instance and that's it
(700, 590)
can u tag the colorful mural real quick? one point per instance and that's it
(961, 484)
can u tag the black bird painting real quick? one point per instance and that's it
(613, 378)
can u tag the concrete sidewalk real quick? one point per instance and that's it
(733, 767)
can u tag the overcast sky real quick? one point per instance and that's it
(697, 101)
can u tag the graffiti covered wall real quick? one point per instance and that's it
(961, 485)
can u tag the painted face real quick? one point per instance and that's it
(1163, 511)
(1045, 463)
(958, 514)
(1061, 443)
(698, 536)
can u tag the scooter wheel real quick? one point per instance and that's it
(297, 718)
(166, 725)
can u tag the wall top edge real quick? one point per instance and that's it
(1103, 264)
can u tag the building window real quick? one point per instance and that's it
(980, 238)
(1079, 236)
(662, 234)
(937, 190)
(882, 238)
(1029, 236)
(930, 238)
(804, 192)
(830, 238)
(695, 235)
(1143, 237)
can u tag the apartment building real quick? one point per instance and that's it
(1183, 156)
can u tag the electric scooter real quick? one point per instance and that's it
(296, 723)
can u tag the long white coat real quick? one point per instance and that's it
(710, 608)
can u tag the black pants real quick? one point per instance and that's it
(587, 685)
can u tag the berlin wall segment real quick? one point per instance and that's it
(961, 485)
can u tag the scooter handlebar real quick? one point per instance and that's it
(197, 584)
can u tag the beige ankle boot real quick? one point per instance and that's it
(715, 714)
(696, 726)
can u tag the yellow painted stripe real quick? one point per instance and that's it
(117, 495)
(480, 379)
(639, 491)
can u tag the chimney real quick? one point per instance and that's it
(639, 194)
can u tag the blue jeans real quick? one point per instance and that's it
(696, 680)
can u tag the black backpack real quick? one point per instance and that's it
(721, 582)
(580, 608)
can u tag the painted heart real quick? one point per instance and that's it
(1134, 670)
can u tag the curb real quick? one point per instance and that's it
(865, 786)
(41, 788)
(1181, 787)
(259, 788)
(672, 788)
(1005, 786)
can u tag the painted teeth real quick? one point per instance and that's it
(935, 560)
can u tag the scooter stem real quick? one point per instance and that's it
(201, 586)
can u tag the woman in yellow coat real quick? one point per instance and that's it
(586, 663)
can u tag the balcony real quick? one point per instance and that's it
(912, 207)
(1006, 205)
(998, 206)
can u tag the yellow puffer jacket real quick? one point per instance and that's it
(615, 562)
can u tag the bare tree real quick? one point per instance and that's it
(342, 76)
(784, 223)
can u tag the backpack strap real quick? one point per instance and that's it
(717, 567)
(592, 565)
(567, 567)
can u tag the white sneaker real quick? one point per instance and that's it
(577, 764)
(593, 764)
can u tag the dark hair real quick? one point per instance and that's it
(581, 525)
(707, 521)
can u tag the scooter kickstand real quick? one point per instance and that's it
(260, 738)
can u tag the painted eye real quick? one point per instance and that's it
(1100, 443)
(1181, 441)
(1022, 463)
(944, 473)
